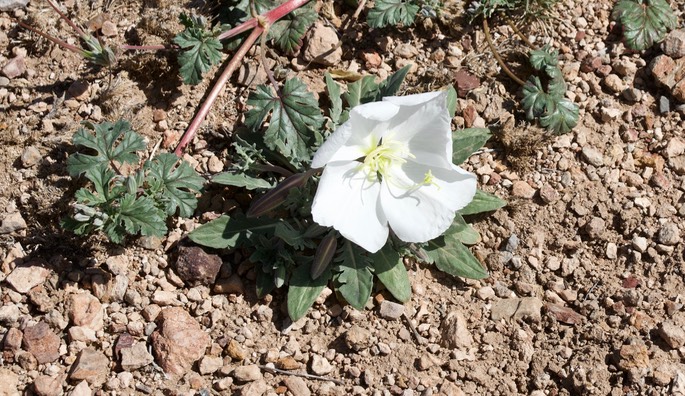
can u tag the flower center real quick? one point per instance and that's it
(380, 159)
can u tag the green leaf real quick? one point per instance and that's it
(544, 57)
(174, 188)
(240, 180)
(201, 49)
(452, 101)
(389, 268)
(536, 102)
(288, 32)
(467, 141)
(334, 95)
(463, 231)
(361, 91)
(392, 12)
(137, 215)
(102, 177)
(291, 236)
(644, 22)
(303, 290)
(391, 85)
(563, 119)
(104, 142)
(295, 119)
(354, 278)
(557, 89)
(227, 233)
(482, 202)
(452, 257)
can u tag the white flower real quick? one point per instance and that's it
(390, 166)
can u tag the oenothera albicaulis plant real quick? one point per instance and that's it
(389, 188)
(390, 167)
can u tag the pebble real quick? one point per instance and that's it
(91, 365)
(522, 189)
(179, 341)
(196, 267)
(214, 164)
(639, 243)
(320, 365)
(12, 222)
(517, 308)
(323, 46)
(391, 310)
(210, 364)
(85, 310)
(30, 157)
(633, 356)
(9, 381)
(109, 29)
(465, 82)
(357, 338)
(611, 251)
(672, 334)
(41, 342)
(548, 193)
(256, 388)
(81, 389)
(592, 156)
(674, 44)
(9, 315)
(230, 285)
(668, 234)
(45, 385)
(664, 105)
(248, 373)
(9, 5)
(614, 83)
(595, 227)
(455, 332)
(135, 357)
(235, 351)
(13, 338)
(297, 386)
(485, 293)
(79, 333)
(14, 68)
(164, 298)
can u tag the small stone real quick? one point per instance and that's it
(9, 382)
(15, 67)
(517, 308)
(639, 243)
(179, 341)
(450, 389)
(674, 44)
(632, 95)
(323, 46)
(84, 334)
(214, 164)
(522, 189)
(9, 315)
(196, 267)
(614, 83)
(455, 332)
(41, 342)
(288, 363)
(13, 338)
(320, 365)
(611, 251)
(109, 29)
(247, 373)
(664, 105)
(30, 157)
(391, 310)
(595, 227)
(85, 310)
(256, 388)
(135, 357)
(668, 234)
(164, 298)
(82, 389)
(232, 285)
(564, 314)
(45, 385)
(548, 193)
(91, 365)
(79, 90)
(485, 293)
(672, 334)
(465, 82)
(425, 362)
(593, 156)
(235, 351)
(297, 386)
(675, 147)
(210, 364)
(12, 222)
(609, 114)
(357, 338)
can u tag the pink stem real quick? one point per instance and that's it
(66, 19)
(53, 39)
(271, 17)
(214, 93)
(127, 47)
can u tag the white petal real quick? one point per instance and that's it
(360, 134)
(348, 202)
(424, 212)
(411, 100)
(427, 130)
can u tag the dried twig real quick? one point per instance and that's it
(420, 340)
(274, 370)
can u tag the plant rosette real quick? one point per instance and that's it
(390, 167)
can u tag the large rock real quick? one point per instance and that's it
(179, 341)
(45, 385)
(674, 44)
(517, 308)
(92, 366)
(135, 357)
(323, 46)
(25, 277)
(87, 311)
(670, 73)
(41, 342)
(9, 382)
(196, 267)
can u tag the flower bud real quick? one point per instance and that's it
(278, 194)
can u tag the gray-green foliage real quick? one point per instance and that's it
(549, 106)
(644, 22)
(201, 48)
(290, 249)
(137, 203)
(401, 12)
(524, 9)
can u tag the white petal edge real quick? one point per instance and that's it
(426, 211)
(412, 100)
(348, 202)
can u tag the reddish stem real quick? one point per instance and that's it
(271, 17)
(127, 47)
(53, 39)
(66, 19)
(214, 93)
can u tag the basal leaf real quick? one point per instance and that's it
(452, 257)
(536, 102)
(482, 202)
(391, 85)
(112, 142)
(452, 101)
(227, 233)
(467, 141)
(563, 119)
(295, 119)
(288, 32)
(175, 188)
(463, 231)
(334, 96)
(140, 215)
(201, 49)
(324, 254)
(389, 268)
(361, 91)
(303, 290)
(392, 12)
(240, 180)
(353, 275)
(544, 57)
(644, 22)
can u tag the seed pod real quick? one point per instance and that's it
(324, 255)
(278, 194)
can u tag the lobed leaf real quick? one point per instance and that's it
(644, 22)
(289, 31)
(174, 186)
(562, 119)
(392, 12)
(136, 215)
(201, 49)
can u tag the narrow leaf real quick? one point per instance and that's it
(482, 202)
(354, 277)
(303, 290)
(467, 141)
(463, 231)
(389, 268)
(240, 180)
(452, 257)
(391, 85)
(274, 198)
(324, 255)
(334, 96)
(227, 233)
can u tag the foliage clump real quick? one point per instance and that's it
(644, 22)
